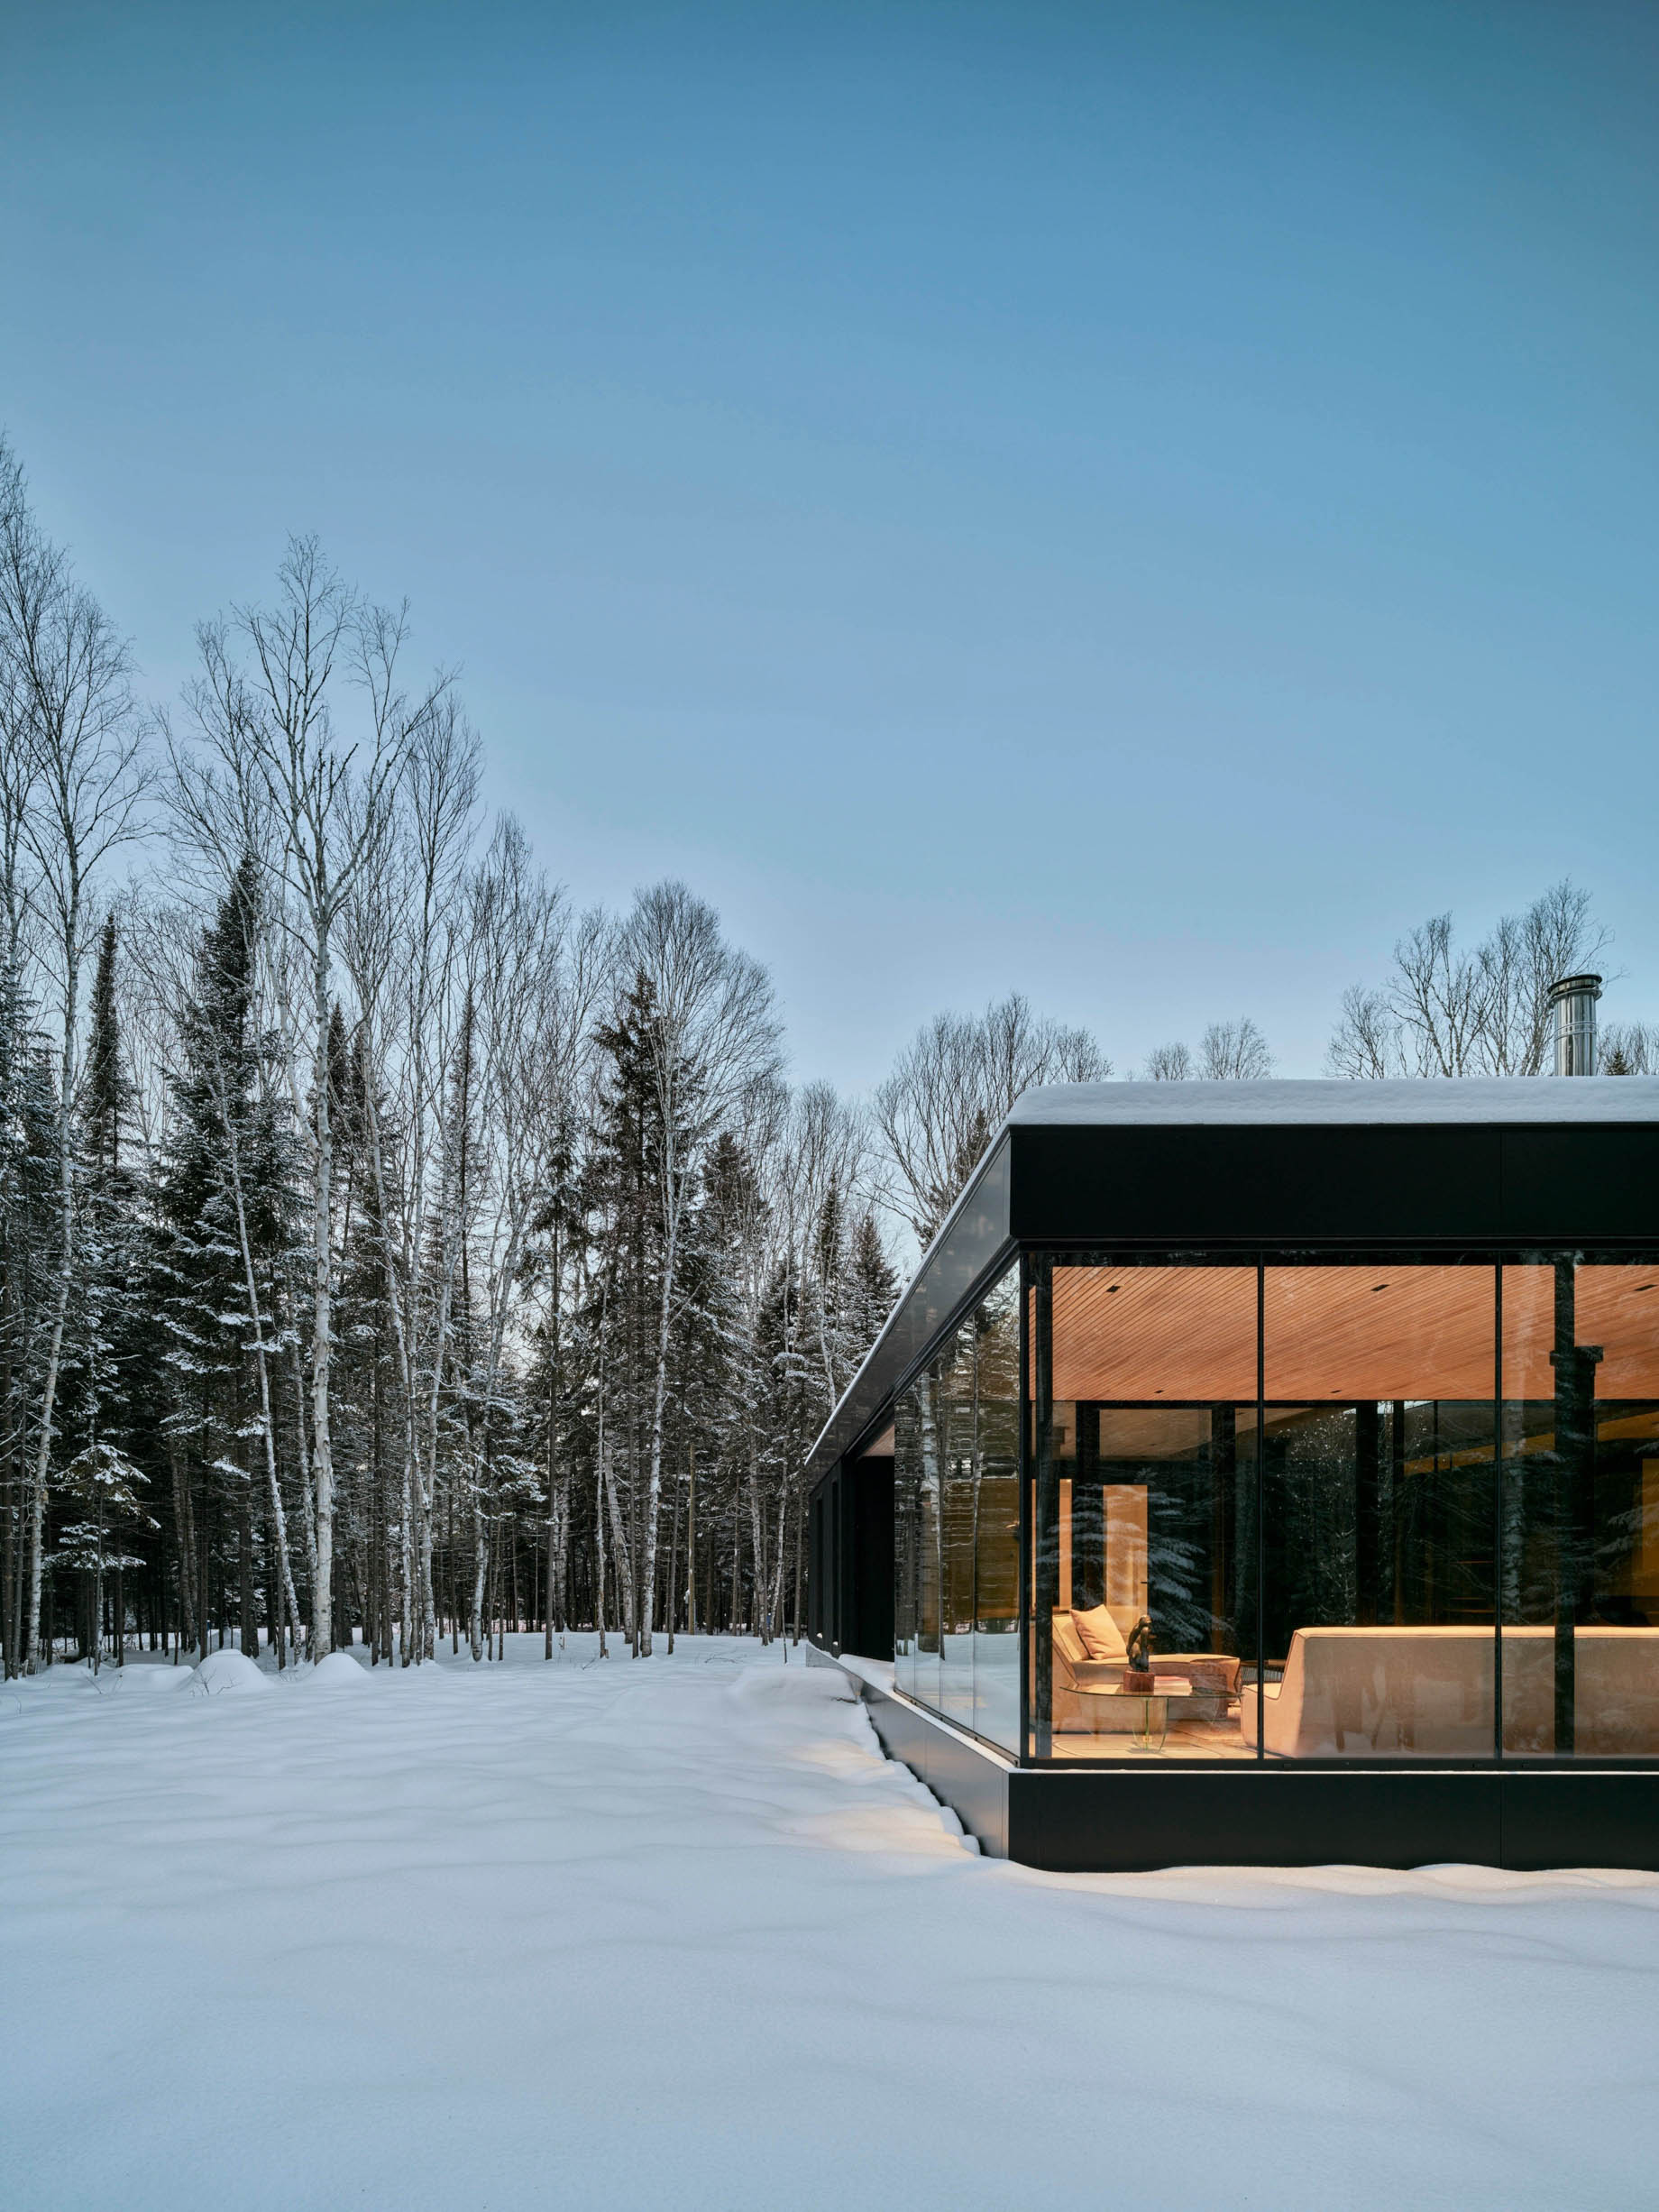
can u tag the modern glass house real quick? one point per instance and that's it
(1270, 1472)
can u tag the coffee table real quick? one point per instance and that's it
(1149, 1726)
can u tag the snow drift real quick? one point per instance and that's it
(227, 1673)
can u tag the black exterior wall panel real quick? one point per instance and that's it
(1586, 1819)
(1580, 1185)
(1281, 1184)
(1438, 1184)
(976, 1786)
(903, 1732)
(974, 1782)
(868, 1629)
(1251, 1816)
(849, 1560)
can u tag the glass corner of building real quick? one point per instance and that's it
(1299, 1507)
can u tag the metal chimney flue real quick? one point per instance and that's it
(1573, 1002)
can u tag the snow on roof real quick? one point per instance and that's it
(1467, 1098)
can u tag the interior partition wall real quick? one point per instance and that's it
(1353, 1506)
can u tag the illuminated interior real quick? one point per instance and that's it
(1315, 1556)
(1301, 1495)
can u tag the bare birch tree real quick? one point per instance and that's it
(70, 707)
(329, 801)
(1234, 1053)
(1447, 1011)
(953, 1085)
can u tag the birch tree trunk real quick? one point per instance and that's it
(757, 1542)
(659, 1392)
(618, 1544)
(54, 1350)
(322, 1303)
(691, 1550)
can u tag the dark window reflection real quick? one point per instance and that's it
(1580, 1509)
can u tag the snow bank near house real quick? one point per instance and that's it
(227, 1673)
(792, 1686)
(672, 1929)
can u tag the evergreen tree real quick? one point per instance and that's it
(101, 1485)
(223, 1213)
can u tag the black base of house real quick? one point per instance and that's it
(1094, 1820)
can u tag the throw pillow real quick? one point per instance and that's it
(1101, 1637)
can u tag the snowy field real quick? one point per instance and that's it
(674, 1934)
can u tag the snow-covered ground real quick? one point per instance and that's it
(673, 1933)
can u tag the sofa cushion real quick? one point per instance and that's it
(1101, 1637)
(1068, 1644)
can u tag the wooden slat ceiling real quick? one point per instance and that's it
(1155, 1332)
(1616, 1307)
(1341, 1332)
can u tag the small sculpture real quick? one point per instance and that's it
(1138, 1650)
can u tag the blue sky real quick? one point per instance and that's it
(1136, 503)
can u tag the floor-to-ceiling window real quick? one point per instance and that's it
(1378, 1587)
(1143, 1444)
(1580, 1509)
(1337, 1508)
(996, 1553)
(1301, 1493)
(956, 1504)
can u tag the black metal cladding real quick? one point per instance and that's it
(1434, 1183)
(850, 1559)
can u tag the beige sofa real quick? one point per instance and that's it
(1350, 1693)
(1214, 1677)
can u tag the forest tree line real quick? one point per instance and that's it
(387, 1249)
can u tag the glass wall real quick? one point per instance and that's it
(996, 1558)
(918, 1568)
(1302, 1493)
(1336, 1510)
(957, 1539)
(1144, 1435)
(1580, 1509)
(1378, 1512)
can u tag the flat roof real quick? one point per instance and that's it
(1483, 1099)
